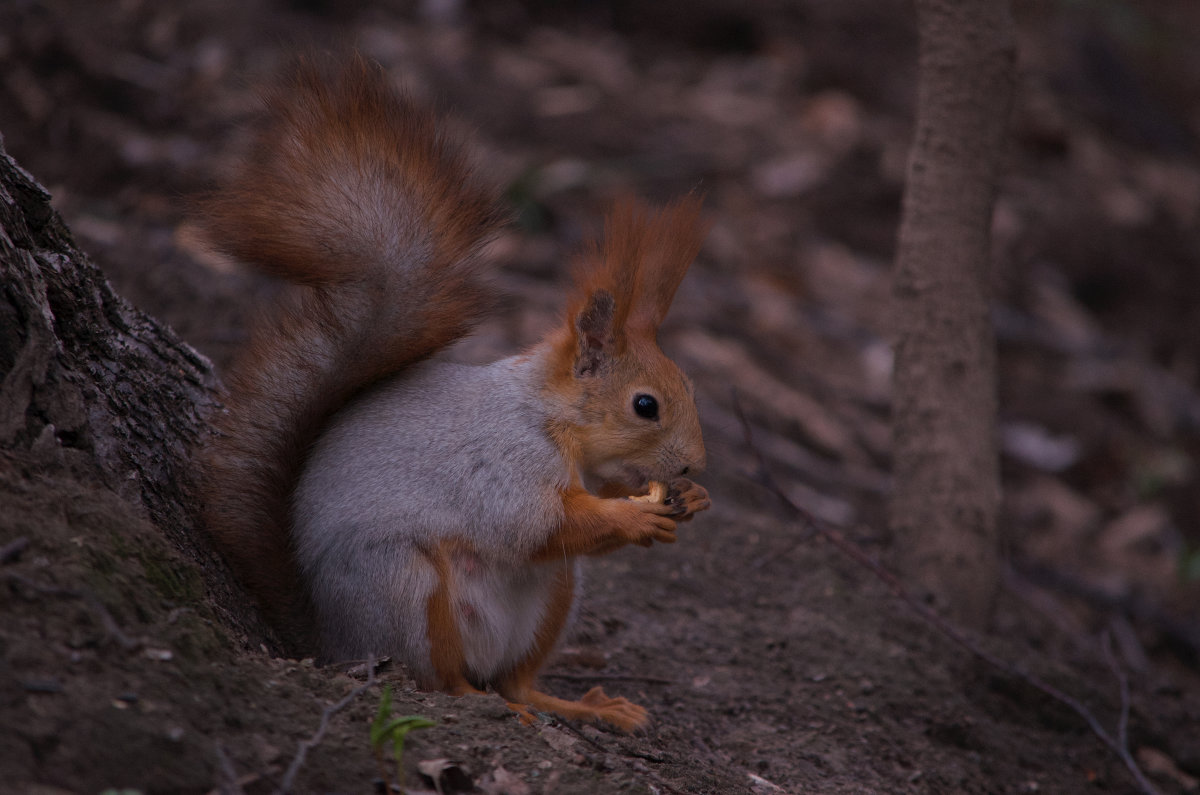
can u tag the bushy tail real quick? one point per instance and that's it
(357, 194)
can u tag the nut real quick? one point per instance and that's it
(657, 493)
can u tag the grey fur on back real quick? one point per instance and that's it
(441, 452)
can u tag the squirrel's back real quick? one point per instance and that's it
(357, 195)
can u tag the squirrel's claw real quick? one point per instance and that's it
(655, 523)
(620, 712)
(686, 499)
(683, 499)
(595, 705)
(524, 714)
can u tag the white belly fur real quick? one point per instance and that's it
(499, 610)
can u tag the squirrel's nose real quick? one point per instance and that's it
(684, 471)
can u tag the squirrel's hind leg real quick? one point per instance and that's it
(518, 687)
(446, 651)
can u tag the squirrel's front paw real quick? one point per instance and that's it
(652, 522)
(660, 510)
(686, 499)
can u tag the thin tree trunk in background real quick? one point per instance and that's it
(943, 509)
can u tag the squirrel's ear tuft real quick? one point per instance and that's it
(670, 240)
(624, 284)
(595, 334)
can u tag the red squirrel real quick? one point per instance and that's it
(430, 511)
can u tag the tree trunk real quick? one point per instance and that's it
(95, 390)
(943, 509)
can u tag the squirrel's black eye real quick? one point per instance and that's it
(645, 406)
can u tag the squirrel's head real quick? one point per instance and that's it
(627, 412)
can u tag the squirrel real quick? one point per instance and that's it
(407, 506)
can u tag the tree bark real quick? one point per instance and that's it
(946, 497)
(94, 389)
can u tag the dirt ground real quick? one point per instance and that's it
(770, 661)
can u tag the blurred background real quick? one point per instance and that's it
(793, 117)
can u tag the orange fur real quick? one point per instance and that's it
(607, 346)
(350, 189)
(445, 640)
(594, 526)
(342, 138)
(519, 687)
(641, 261)
(356, 196)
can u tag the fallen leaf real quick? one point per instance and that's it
(446, 775)
(1159, 764)
(503, 782)
(760, 784)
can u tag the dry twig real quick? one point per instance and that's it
(1122, 685)
(1183, 633)
(285, 784)
(1118, 744)
(228, 782)
(13, 549)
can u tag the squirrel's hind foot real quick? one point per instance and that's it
(595, 705)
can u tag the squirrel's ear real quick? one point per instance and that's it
(595, 333)
(671, 239)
